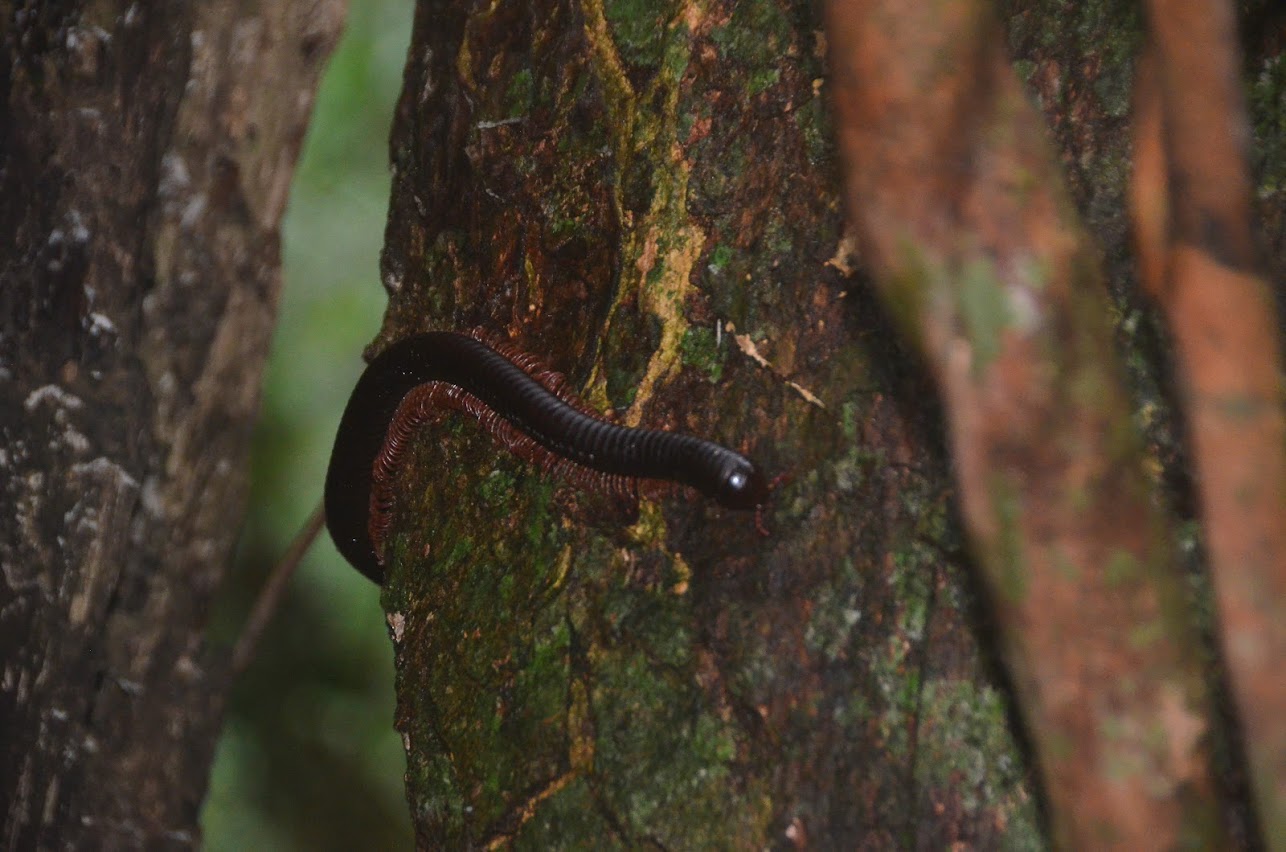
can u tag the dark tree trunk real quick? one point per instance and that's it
(647, 196)
(146, 153)
(649, 199)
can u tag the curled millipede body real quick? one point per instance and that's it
(527, 408)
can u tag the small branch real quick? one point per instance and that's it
(1221, 312)
(274, 589)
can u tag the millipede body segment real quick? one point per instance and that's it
(527, 409)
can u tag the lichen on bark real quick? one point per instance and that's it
(645, 194)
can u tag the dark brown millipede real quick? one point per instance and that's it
(525, 407)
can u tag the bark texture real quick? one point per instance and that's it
(961, 211)
(646, 195)
(146, 152)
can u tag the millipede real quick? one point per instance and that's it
(528, 409)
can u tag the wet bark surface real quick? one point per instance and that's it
(648, 198)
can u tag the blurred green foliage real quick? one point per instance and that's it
(309, 758)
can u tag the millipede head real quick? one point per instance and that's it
(741, 485)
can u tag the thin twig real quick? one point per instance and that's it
(272, 592)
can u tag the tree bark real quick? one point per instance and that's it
(146, 153)
(962, 214)
(647, 196)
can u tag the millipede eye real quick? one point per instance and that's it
(740, 485)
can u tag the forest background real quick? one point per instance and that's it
(308, 758)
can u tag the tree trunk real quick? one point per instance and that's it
(146, 152)
(649, 200)
(962, 213)
(647, 196)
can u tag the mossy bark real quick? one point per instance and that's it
(647, 196)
